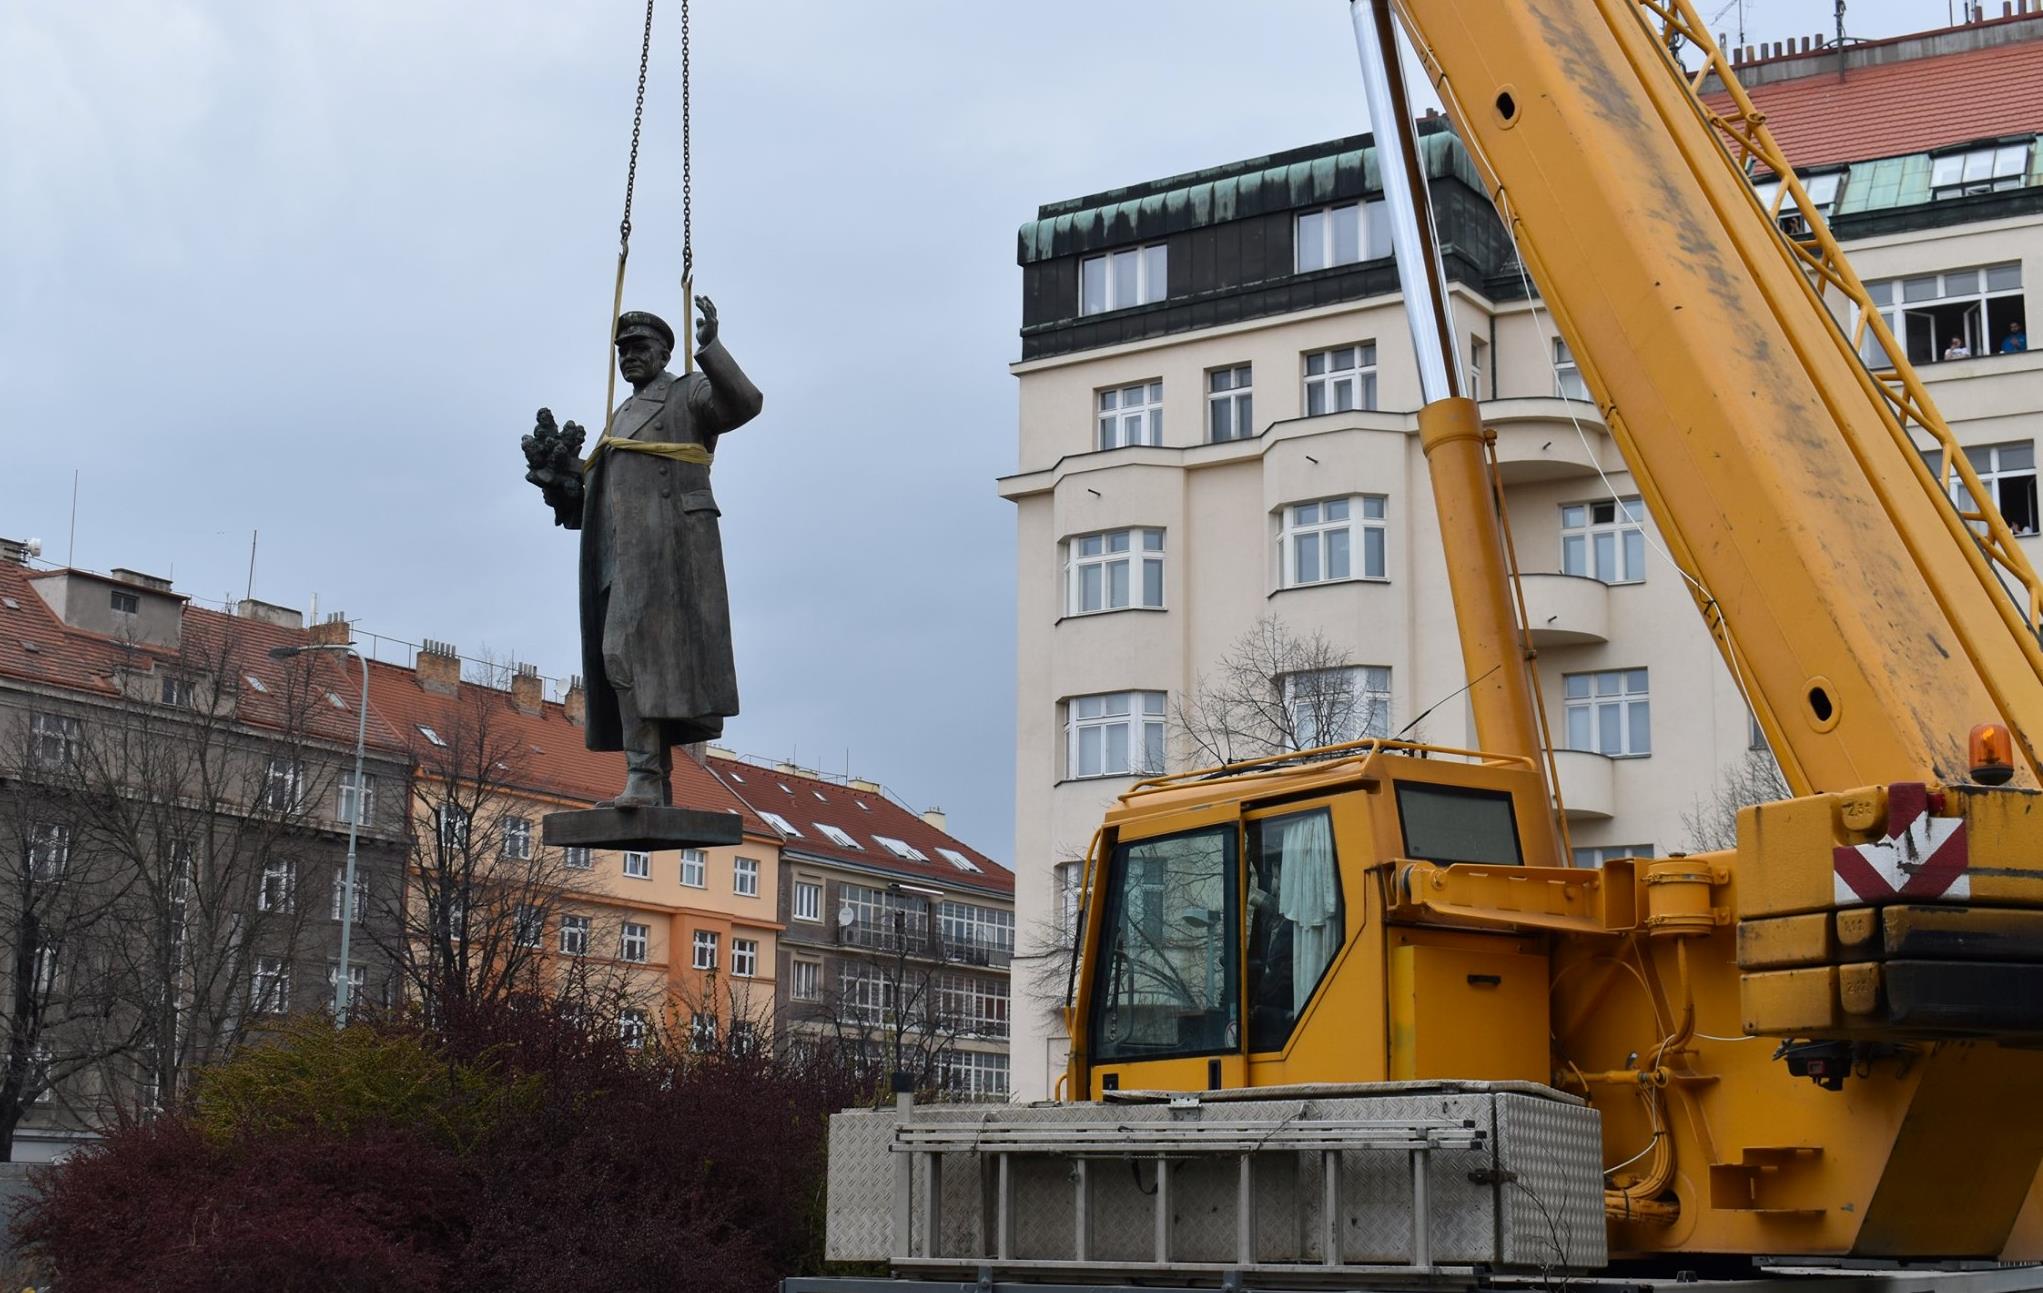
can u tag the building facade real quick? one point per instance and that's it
(897, 935)
(680, 939)
(1219, 467)
(174, 810)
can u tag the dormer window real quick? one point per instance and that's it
(1121, 279)
(124, 602)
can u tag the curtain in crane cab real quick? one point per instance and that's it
(1309, 896)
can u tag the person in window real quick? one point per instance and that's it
(1957, 349)
(2016, 341)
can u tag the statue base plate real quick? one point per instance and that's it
(642, 829)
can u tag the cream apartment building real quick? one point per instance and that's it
(1218, 426)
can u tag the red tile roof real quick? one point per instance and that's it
(1911, 106)
(38, 648)
(544, 751)
(810, 803)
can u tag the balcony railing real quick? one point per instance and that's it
(878, 936)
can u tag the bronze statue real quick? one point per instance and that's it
(656, 621)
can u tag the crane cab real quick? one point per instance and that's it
(1251, 926)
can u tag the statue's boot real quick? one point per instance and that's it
(648, 759)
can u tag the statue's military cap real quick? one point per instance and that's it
(638, 323)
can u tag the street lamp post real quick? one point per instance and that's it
(342, 985)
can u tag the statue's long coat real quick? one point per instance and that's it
(661, 557)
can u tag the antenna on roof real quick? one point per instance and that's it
(71, 549)
(251, 564)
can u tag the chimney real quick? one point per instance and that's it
(935, 817)
(140, 580)
(248, 608)
(439, 668)
(720, 752)
(860, 783)
(334, 630)
(575, 704)
(526, 696)
(19, 551)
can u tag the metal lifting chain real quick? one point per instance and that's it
(687, 170)
(638, 112)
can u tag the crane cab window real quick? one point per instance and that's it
(1295, 921)
(1458, 824)
(1167, 983)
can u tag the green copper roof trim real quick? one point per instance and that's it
(1341, 176)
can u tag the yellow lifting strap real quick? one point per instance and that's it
(692, 453)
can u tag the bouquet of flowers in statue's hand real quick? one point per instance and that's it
(553, 457)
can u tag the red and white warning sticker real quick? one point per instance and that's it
(1921, 857)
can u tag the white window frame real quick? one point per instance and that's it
(54, 739)
(1992, 463)
(744, 958)
(1148, 267)
(1587, 698)
(970, 925)
(344, 799)
(1361, 551)
(1823, 190)
(901, 849)
(702, 1031)
(634, 942)
(960, 861)
(695, 868)
(976, 1073)
(340, 884)
(277, 886)
(805, 980)
(1141, 715)
(1230, 399)
(807, 903)
(632, 1026)
(451, 822)
(358, 980)
(49, 851)
(575, 857)
(574, 935)
(1368, 698)
(1568, 383)
(638, 865)
(1094, 562)
(838, 836)
(1478, 367)
(703, 947)
(432, 737)
(781, 824)
(1907, 302)
(1345, 233)
(283, 787)
(518, 838)
(1603, 527)
(745, 877)
(1992, 169)
(270, 986)
(1340, 379)
(1128, 415)
(177, 691)
(528, 925)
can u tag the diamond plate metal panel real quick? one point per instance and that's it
(859, 1224)
(1552, 1216)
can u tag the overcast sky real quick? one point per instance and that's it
(307, 270)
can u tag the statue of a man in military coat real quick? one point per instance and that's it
(656, 620)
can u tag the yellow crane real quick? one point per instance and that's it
(1826, 1042)
(1885, 926)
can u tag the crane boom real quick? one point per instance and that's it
(1866, 623)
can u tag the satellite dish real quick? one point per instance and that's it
(846, 916)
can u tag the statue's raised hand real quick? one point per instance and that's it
(705, 326)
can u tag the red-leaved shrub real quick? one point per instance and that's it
(506, 1149)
